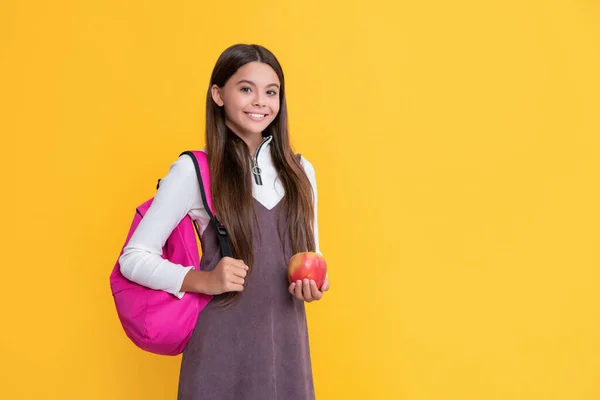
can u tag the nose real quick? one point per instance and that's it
(259, 100)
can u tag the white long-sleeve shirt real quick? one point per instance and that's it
(177, 196)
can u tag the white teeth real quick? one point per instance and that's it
(256, 115)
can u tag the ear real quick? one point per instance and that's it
(216, 95)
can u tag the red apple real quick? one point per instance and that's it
(307, 265)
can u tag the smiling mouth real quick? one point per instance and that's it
(256, 116)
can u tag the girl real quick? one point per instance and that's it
(251, 341)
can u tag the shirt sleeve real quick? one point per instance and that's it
(142, 261)
(310, 172)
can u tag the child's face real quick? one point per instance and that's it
(250, 98)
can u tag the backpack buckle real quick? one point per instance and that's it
(221, 229)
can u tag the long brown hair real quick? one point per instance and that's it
(229, 162)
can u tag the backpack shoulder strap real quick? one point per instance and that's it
(203, 174)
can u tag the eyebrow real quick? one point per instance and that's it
(254, 84)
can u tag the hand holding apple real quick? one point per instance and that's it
(307, 274)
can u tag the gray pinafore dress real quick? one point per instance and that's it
(258, 348)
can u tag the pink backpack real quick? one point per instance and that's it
(157, 321)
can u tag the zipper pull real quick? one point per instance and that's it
(256, 172)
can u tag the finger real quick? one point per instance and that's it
(325, 286)
(314, 290)
(238, 271)
(238, 263)
(291, 287)
(234, 262)
(236, 279)
(233, 287)
(298, 290)
(306, 291)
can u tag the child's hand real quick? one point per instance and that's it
(307, 290)
(228, 276)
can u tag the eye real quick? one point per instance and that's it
(272, 93)
(246, 89)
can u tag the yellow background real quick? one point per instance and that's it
(456, 149)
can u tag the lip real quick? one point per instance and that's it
(257, 119)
